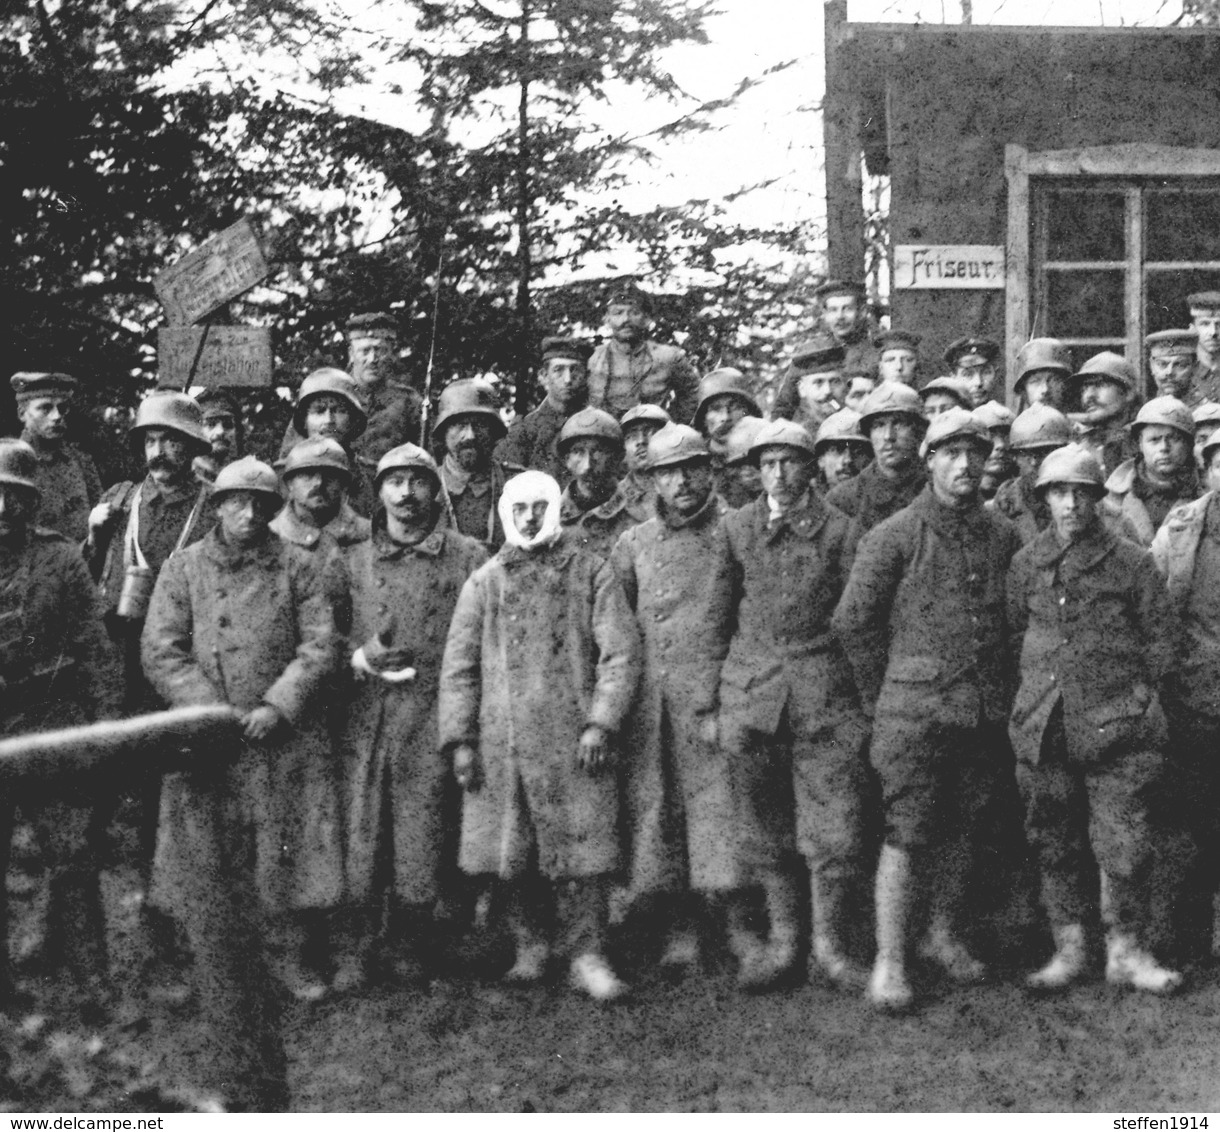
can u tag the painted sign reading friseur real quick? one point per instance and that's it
(949, 267)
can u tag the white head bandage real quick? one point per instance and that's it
(530, 487)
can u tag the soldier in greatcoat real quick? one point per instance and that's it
(676, 776)
(841, 449)
(639, 424)
(922, 622)
(1043, 369)
(329, 407)
(593, 508)
(243, 617)
(404, 584)
(316, 474)
(1034, 435)
(725, 397)
(1105, 389)
(739, 482)
(1097, 639)
(790, 721)
(539, 676)
(57, 668)
(68, 482)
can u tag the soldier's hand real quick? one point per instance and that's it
(709, 729)
(593, 753)
(101, 517)
(260, 723)
(466, 767)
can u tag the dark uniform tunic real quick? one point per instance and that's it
(472, 503)
(530, 442)
(596, 529)
(69, 487)
(870, 497)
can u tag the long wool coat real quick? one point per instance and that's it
(542, 645)
(391, 737)
(249, 628)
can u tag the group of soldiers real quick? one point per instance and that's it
(650, 646)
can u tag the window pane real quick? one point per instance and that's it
(1165, 296)
(1084, 225)
(1182, 225)
(1084, 304)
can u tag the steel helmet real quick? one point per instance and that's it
(842, 427)
(1073, 463)
(589, 422)
(1113, 367)
(720, 382)
(1042, 353)
(338, 384)
(1039, 426)
(314, 453)
(740, 438)
(405, 456)
(950, 425)
(1205, 413)
(468, 396)
(991, 414)
(785, 432)
(890, 397)
(18, 464)
(949, 385)
(1167, 411)
(247, 474)
(676, 444)
(643, 413)
(175, 411)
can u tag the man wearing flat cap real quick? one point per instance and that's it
(629, 367)
(843, 314)
(1171, 362)
(564, 374)
(922, 621)
(814, 385)
(973, 362)
(1205, 321)
(67, 479)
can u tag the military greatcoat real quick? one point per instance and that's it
(251, 627)
(391, 747)
(542, 645)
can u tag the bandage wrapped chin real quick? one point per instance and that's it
(531, 487)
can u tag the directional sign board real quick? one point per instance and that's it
(232, 355)
(220, 269)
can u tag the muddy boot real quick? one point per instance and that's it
(1067, 965)
(287, 960)
(942, 947)
(591, 973)
(888, 988)
(1129, 965)
(352, 932)
(532, 950)
(827, 955)
(779, 953)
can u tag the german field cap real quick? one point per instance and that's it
(676, 444)
(28, 385)
(722, 382)
(971, 350)
(1206, 412)
(645, 413)
(468, 396)
(336, 383)
(954, 424)
(218, 403)
(1166, 411)
(1110, 366)
(1072, 464)
(740, 438)
(782, 432)
(170, 410)
(841, 427)
(247, 474)
(372, 324)
(1204, 300)
(18, 464)
(1168, 343)
(889, 397)
(629, 293)
(403, 457)
(1042, 353)
(315, 453)
(574, 348)
(991, 414)
(589, 423)
(818, 354)
(839, 287)
(897, 340)
(1039, 426)
(950, 385)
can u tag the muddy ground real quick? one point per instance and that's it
(474, 1046)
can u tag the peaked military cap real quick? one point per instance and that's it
(839, 287)
(372, 323)
(897, 340)
(556, 347)
(960, 349)
(1204, 300)
(27, 385)
(1167, 343)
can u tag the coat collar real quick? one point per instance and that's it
(558, 554)
(1047, 551)
(227, 558)
(804, 520)
(707, 515)
(946, 520)
(386, 548)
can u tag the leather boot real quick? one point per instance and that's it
(888, 988)
(1129, 965)
(1067, 965)
(828, 956)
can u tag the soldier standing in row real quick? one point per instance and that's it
(841, 449)
(629, 367)
(973, 364)
(394, 407)
(636, 488)
(1206, 416)
(676, 775)
(897, 357)
(329, 407)
(1000, 467)
(564, 375)
(1171, 358)
(1205, 321)
(1043, 370)
(316, 476)
(922, 621)
(738, 482)
(539, 675)
(57, 667)
(404, 584)
(1104, 387)
(68, 483)
(222, 425)
(1034, 435)
(592, 509)
(1097, 641)
(942, 394)
(843, 314)
(244, 618)
(725, 398)
(789, 719)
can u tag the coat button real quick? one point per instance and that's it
(222, 621)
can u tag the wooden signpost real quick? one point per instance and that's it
(230, 355)
(220, 269)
